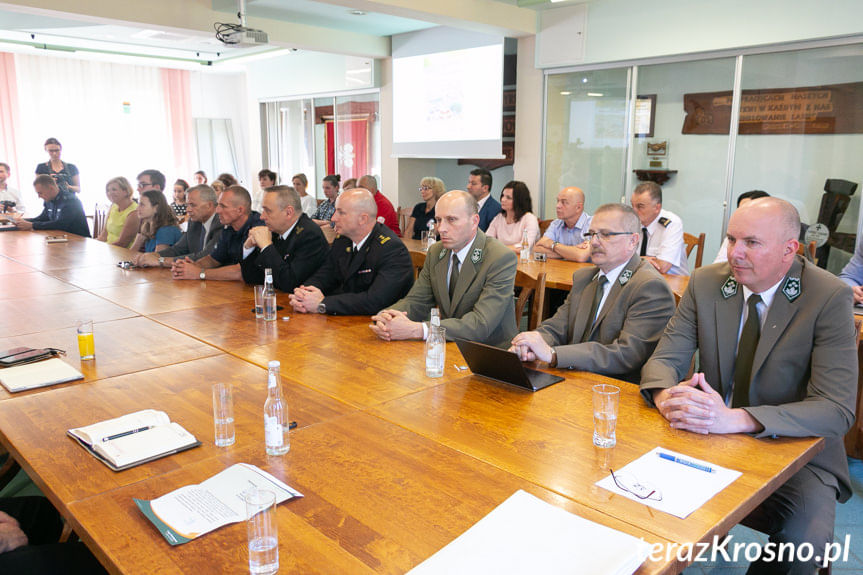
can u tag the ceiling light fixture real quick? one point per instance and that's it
(356, 13)
(566, 93)
(595, 94)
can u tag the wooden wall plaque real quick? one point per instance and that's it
(831, 109)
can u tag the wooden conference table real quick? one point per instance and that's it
(392, 465)
(558, 273)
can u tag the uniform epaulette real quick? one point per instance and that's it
(384, 239)
(663, 221)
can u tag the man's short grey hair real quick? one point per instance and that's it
(46, 181)
(469, 200)
(368, 182)
(652, 188)
(628, 217)
(286, 196)
(241, 197)
(205, 193)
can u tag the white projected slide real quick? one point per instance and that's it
(448, 97)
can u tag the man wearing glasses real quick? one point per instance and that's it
(151, 180)
(616, 310)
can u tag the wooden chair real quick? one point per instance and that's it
(854, 437)
(543, 225)
(404, 216)
(530, 287)
(100, 218)
(9, 469)
(419, 260)
(808, 252)
(692, 241)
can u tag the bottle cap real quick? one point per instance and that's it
(274, 363)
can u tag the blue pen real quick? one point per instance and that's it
(685, 462)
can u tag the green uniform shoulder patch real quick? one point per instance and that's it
(729, 288)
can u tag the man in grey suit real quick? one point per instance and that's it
(615, 312)
(467, 275)
(778, 357)
(201, 237)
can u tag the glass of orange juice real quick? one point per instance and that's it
(86, 343)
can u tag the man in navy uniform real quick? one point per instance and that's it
(63, 211)
(291, 244)
(368, 269)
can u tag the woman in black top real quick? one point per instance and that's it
(430, 189)
(66, 175)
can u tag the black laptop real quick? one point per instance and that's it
(501, 365)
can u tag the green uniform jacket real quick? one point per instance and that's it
(482, 308)
(627, 329)
(804, 375)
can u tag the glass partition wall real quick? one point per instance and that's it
(799, 123)
(321, 136)
(586, 136)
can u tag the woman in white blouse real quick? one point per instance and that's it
(515, 217)
(308, 202)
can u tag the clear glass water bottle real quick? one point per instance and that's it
(431, 238)
(525, 247)
(275, 414)
(269, 296)
(435, 346)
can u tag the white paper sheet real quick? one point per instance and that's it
(524, 534)
(683, 489)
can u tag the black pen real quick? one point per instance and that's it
(125, 433)
(292, 425)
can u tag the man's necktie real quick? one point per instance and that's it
(643, 241)
(746, 353)
(453, 275)
(600, 289)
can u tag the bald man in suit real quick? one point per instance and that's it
(778, 357)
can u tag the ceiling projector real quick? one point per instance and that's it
(239, 34)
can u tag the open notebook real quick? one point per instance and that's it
(134, 439)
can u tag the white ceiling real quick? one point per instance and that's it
(23, 26)
(324, 15)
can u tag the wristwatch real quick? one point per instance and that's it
(553, 245)
(161, 261)
(322, 307)
(202, 275)
(553, 362)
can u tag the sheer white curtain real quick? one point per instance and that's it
(111, 119)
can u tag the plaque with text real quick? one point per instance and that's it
(831, 109)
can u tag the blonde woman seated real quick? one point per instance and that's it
(431, 189)
(158, 229)
(515, 217)
(121, 226)
(308, 203)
